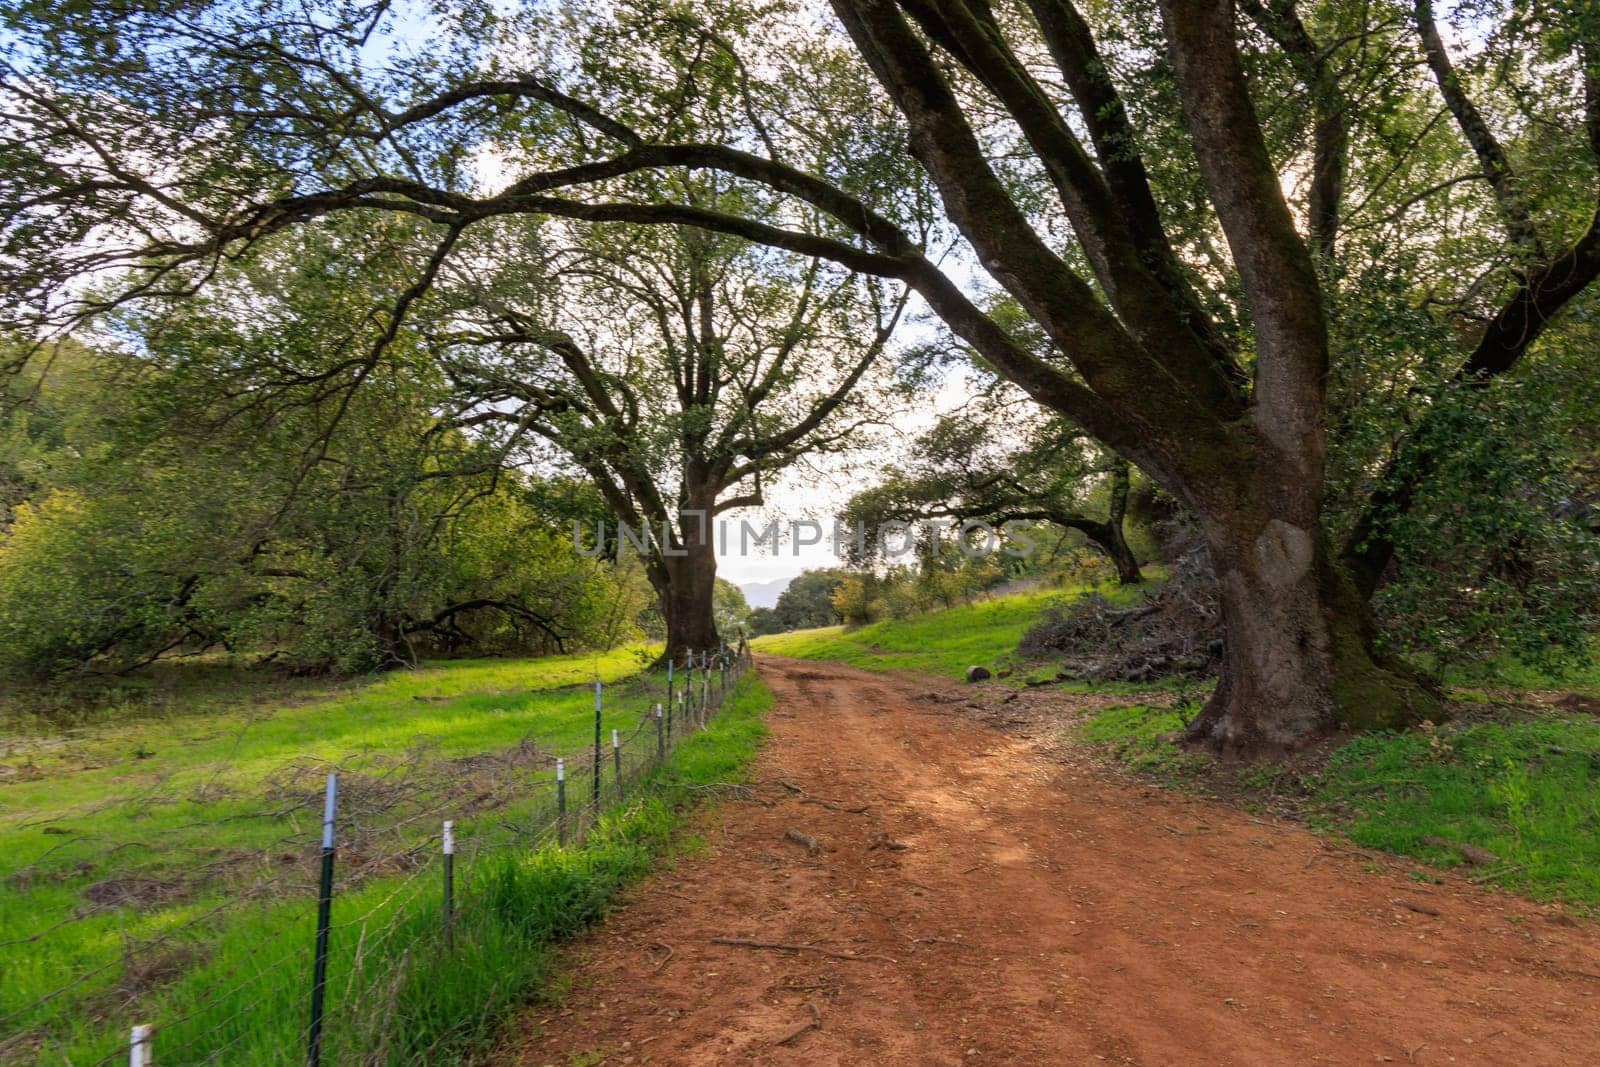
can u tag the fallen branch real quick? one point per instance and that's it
(806, 798)
(815, 1023)
(830, 805)
(883, 840)
(664, 959)
(745, 942)
(1421, 909)
(810, 843)
(733, 789)
(1492, 875)
(943, 941)
(737, 789)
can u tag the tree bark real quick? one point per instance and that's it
(1115, 545)
(1109, 538)
(1299, 658)
(688, 577)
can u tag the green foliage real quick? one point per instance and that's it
(763, 621)
(1498, 552)
(78, 580)
(201, 487)
(547, 314)
(999, 461)
(941, 581)
(806, 602)
(730, 608)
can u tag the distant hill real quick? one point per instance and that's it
(764, 594)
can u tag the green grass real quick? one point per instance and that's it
(1507, 672)
(1139, 736)
(944, 642)
(1526, 788)
(230, 787)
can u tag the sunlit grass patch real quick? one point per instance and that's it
(946, 642)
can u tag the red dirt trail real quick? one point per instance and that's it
(1041, 911)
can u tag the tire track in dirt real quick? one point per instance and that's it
(1042, 911)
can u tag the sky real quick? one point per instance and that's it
(819, 490)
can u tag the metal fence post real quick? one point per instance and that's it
(661, 737)
(669, 681)
(688, 682)
(616, 759)
(597, 746)
(140, 1052)
(449, 845)
(319, 967)
(561, 802)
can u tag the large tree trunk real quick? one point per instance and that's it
(1107, 536)
(1111, 538)
(1121, 555)
(1299, 658)
(686, 598)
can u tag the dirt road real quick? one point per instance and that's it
(1042, 911)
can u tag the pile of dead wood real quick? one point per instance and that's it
(1175, 632)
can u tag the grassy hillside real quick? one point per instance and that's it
(223, 737)
(167, 860)
(945, 642)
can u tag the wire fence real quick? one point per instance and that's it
(355, 881)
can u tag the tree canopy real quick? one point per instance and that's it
(993, 463)
(195, 487)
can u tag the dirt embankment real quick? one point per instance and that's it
(1042, 911)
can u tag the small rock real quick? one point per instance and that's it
(978, 674)
(1478, 857)
(1560, 918)
(1412, 905)
(1579, 702)
(1003, 672)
